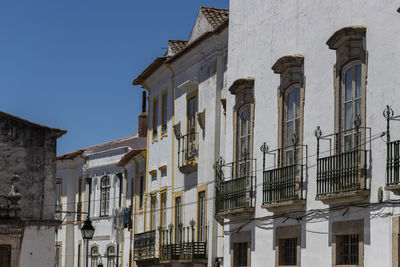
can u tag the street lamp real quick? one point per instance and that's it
(87, 229)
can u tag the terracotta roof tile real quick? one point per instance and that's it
(215, 16)
(177, 45)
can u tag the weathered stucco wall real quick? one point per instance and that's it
(30, 153)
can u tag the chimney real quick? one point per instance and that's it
(143, 118)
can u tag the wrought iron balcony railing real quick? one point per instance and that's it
(144, 245)
(284, 182)
(346, 169)
(187, 152)
(341, 172)
(393, 151)
(236, 192)
(182, 242)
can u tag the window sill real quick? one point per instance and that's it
(154, 139)
(164, 134)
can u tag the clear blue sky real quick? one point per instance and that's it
(70, 63)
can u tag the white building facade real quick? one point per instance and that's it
(311, 80)
(186, 136)
(98, 182)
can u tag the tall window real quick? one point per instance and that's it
(191, 127)
(291, 122)
(201, 216)
(105, 196)
(243, 138)
(79, 204)
(164, 104)
(155, 117)
(94, 255)
(153, 213)
(178, 218)
(163, 208)
(141, 192)
(58, 195)
(111, 256)
(351, 102)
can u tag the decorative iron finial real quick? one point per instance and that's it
(318, 132)
(294, 139)
(264, 148)
(171, 226)
(245, 154)
(357, 122)
(192, 223)
(388, 113)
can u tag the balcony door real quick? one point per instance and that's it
(243, 140)
(191, 127)
(351, 104)
(291, 125)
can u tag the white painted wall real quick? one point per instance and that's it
(261, 32)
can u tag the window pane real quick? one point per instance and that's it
(348, 84)
(358, 80)
(348, 142)
(348, 116)
(289, 133)
(297, 102)
(289, 106)
(358, 107)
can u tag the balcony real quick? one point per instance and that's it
(187, 152)
(144, 246)
(183, 244)
(283, 185)
(234, 194)
(342, 177)
(392, 155)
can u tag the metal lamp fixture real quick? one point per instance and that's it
(87, 229)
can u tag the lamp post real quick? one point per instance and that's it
(87, 229)
(87, 232)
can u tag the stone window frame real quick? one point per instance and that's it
(243, 89)
(286, 232)
(350, 46)
(355, 227)
(291, 71)
(241, 237)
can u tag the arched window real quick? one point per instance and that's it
(350, 85)
(105, 196)
(111, 256)
(243, 125)
(94, 255)
(290, 106)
